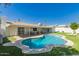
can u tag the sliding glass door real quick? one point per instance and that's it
(21, 31)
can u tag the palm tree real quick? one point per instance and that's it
(74, 26)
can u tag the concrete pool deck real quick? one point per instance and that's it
(26, 49)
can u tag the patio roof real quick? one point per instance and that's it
(27, 25)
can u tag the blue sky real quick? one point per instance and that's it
(45, 13)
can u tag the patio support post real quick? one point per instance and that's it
(39, 31)
(29, 31)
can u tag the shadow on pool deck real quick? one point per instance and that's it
(5, 40)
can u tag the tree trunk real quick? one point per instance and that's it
(74, 32)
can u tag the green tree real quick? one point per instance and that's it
(74, 26)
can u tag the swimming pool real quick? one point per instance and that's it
(41, 42)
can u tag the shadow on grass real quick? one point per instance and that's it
(5, 40)
(10, 51)
(58, 51)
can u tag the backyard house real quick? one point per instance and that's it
(19, 28)
(22, 29)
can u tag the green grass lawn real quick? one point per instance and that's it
(10, 51)
(75, 40)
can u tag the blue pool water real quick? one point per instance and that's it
(43, 41)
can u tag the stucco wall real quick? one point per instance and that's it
(12, 30)
(64, 29)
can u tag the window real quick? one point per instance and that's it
(34, 29)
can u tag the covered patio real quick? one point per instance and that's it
(26, 30)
